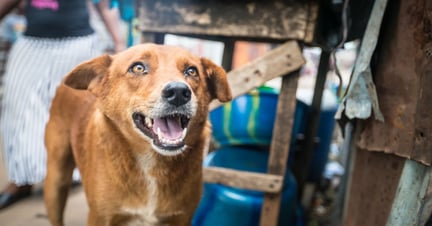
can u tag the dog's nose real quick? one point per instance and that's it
(176, 93)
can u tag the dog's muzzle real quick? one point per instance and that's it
(167, 124)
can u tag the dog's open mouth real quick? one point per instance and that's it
(168, 132)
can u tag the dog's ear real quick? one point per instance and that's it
(217, 82)
(92, 71)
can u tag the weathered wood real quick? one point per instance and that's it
(312, 23)
(280, 61)
(278, 20)
(412, 204)
(279, 149)
(243, 179)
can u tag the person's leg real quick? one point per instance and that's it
(13, 193)
(35, 69)
(23, 149)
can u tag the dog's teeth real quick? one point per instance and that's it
(183, 134)
(148, 122)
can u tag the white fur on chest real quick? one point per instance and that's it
(147, 212)
(144, 216)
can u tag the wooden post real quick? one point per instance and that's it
(279, 149)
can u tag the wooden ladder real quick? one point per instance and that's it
(213, 20)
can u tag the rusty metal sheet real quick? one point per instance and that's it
(361, 98)
(403, 79)
(374, 182)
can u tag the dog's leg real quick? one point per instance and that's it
(95, 220)
(60, 164)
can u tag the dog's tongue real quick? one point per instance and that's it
(170, 127)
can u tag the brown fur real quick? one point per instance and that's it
(125, 180)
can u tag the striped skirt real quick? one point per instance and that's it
(35, 68)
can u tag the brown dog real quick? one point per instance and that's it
(135, 124)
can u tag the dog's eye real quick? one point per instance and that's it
(191, 71)
(138, 68)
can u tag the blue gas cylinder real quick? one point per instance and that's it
(246, 120)
(229, 206)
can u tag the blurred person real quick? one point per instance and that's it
(11, 27)
(13, 24)
(58, 36)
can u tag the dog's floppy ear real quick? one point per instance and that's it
(88, 72)
(217, 82)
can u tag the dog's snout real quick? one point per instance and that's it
(176, 93)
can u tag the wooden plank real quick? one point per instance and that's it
(279, 149)
(412, 204)
(269, 20)
(243, 179)
(280, 61)
(312, 23)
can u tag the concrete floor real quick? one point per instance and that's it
(31, 211)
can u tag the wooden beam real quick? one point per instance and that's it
(243, 179)
(279, 149)
(278, 62)
(268, 20)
